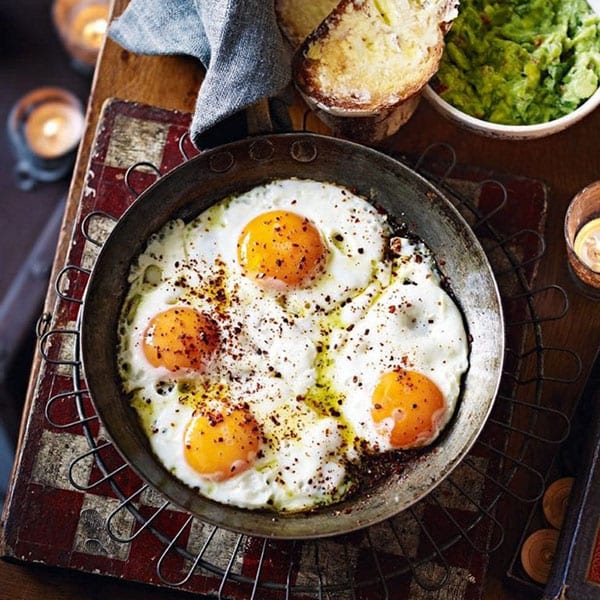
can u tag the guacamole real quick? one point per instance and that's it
(520, 62)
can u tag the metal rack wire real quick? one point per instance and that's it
(500, 457)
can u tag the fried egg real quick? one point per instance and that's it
(310, 245)
(276, 342)
(411, 348)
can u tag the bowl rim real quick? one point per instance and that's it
(511, 131)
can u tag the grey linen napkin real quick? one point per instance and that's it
(237, 41)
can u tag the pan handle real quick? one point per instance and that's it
(268, 115)
(258, 118)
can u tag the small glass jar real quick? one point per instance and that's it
(81, 25)
(582, 238)
(45, 127)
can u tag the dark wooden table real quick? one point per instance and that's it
(567, 161)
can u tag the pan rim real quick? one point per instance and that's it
(275, 519)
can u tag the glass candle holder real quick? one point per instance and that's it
(81, 26)
(45, 128)
(582, 237)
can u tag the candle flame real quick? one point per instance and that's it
(94, 31)
(52, 126)
(587, 244)
(592, 250)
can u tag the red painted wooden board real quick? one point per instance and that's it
(48, 520)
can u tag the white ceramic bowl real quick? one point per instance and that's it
(510, 132)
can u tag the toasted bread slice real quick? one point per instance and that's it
(370, 55)
(299, 18)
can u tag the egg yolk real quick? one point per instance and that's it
(411, 403)
(221, 445)
(281, 249)
(180, 338)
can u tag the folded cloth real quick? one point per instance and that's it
(237, 41)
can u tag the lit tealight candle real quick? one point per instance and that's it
(82, 26)
(45, 127)
(89, 25)
(53, 129)
(587, 245)
(582, 237)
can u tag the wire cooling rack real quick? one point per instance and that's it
(522, 425)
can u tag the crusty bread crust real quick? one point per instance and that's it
(299, 18)
(371, 55)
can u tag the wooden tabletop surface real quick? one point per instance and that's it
(567, 161)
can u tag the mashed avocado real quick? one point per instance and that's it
(520, 62)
